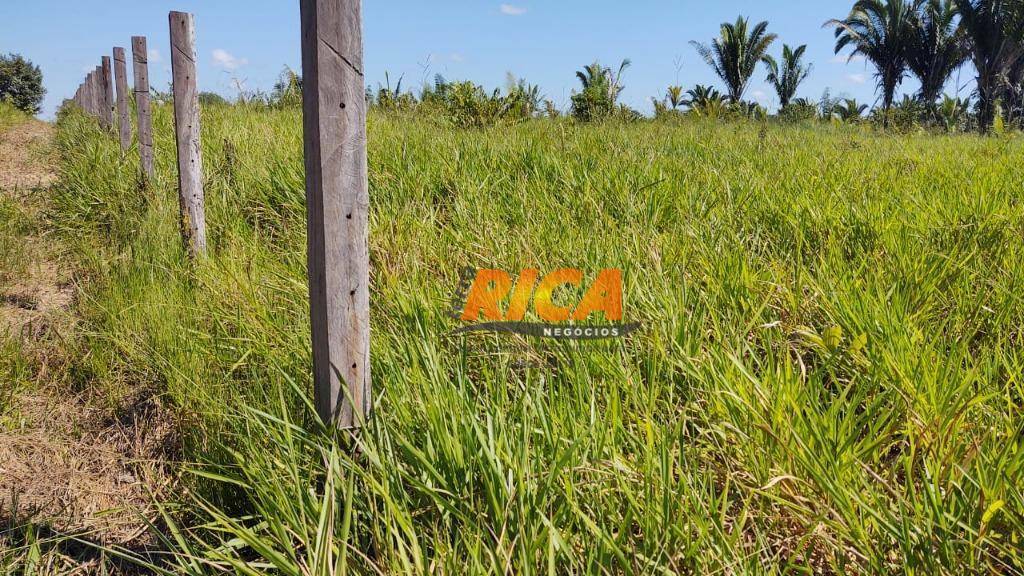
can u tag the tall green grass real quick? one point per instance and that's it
(828, 379)
(13, 222)
(10, 116)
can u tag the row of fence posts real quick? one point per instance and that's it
(105, 90)
(337, 195)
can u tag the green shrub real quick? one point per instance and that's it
(599, 92)
(21, 83)
(9, 115)
(953, 114)
(211, 99)
(287, 90)
(799, 110)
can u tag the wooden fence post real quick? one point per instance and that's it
(107, 111)
(186, 132)
(124, 125)
(337, 202)
(97, 93)
(143, 111)
(87, 94)
(98, 98)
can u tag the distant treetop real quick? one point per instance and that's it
(21, 83)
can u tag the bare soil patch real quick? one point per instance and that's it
(23, 157)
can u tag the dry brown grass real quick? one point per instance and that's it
(82, 469)
(25, 161)
(68, 462)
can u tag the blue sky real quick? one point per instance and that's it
(482, 40)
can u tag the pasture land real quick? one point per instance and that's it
(829, 374)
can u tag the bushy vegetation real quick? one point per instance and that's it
(827, 379)
(598, 96)
(211, 99)
(928, 39)
(10, 115)
(21, 83)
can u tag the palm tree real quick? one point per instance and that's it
(523, 96)
(594, 75)
(937, 48)
(849, 110)
(792, 73)
(601, 89)
(735, 53)
(993, 32)
(616, 79)
(951, 112)
(674, 96)
(1015, 91)
(881, 31)
(701, 96)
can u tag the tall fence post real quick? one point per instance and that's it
(337, 203)
(124, 125)
(143, 111)
(107, 111)
(186, 132)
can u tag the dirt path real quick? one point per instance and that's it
(68, 462)
(35, 288)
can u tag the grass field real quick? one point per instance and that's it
(828, 379)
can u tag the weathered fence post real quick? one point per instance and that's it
(124, 125)
(97, 95)
(143, 112)
(337, 202)
(186, 132)
(94, 93)
(87, 94)
(107, 111)
(90, 93)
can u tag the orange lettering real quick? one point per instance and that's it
(489, 289)
(604, 296)
(520, 300)
(543, 300)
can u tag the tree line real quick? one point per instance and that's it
(928, 39)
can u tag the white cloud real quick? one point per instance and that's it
(857, 78)
(224, 59)
(843, 59)
(456, 57)
(512, 10)
(154, 56)
(760, 95)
